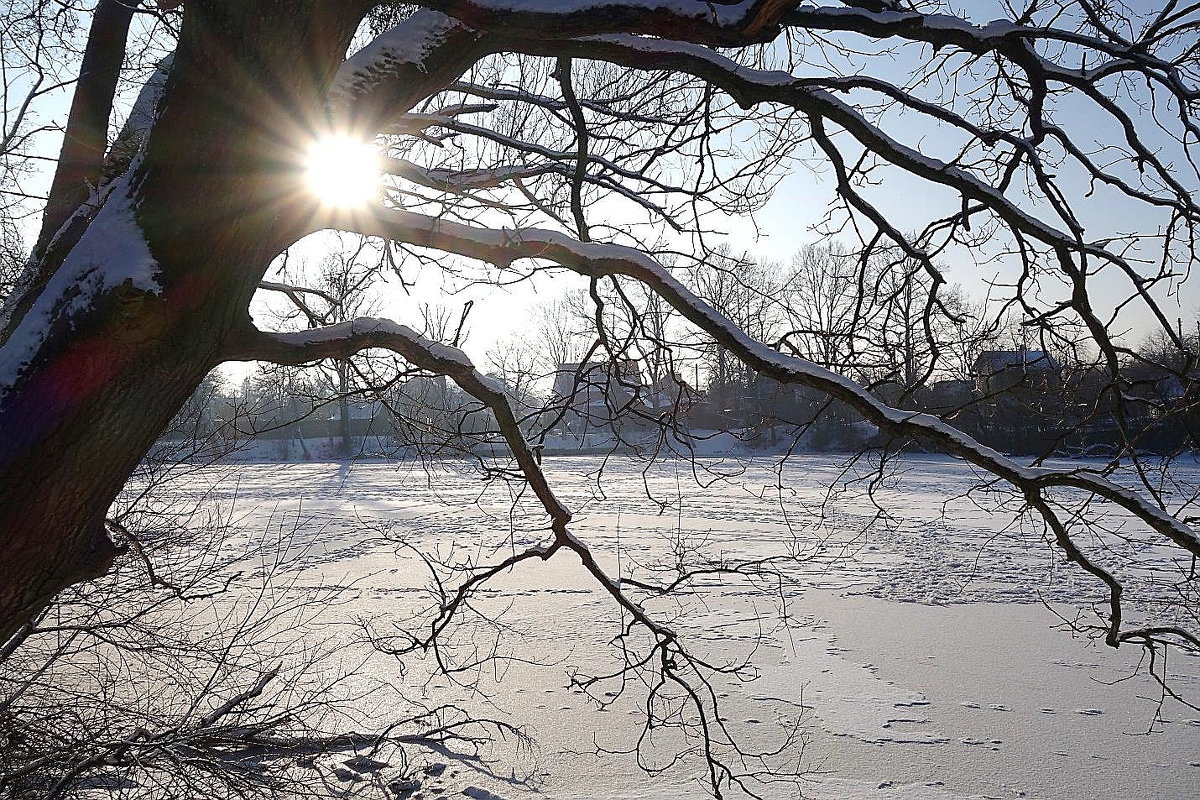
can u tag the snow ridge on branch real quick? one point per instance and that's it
(734, 24)
(403, 49)
(411, 60)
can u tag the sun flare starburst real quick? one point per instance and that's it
(342, 171)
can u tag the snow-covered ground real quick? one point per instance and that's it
(913, 652)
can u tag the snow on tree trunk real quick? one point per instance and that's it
(102, 357)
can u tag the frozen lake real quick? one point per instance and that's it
(911, 653)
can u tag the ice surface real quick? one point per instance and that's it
(916, 654)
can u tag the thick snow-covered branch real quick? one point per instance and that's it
(733, 24)
(81, 160)
(428, 50)
(401, 67)
(428, 42)
(347, 338)
(502, 247)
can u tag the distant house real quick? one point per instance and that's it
(592, 392)
(358, 410)
(1000, 370)
(671, 393)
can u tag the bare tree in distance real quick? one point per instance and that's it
(562, 326)
(607, 140)
(878, 320)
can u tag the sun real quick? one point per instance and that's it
(342, 171)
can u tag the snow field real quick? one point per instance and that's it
(910, 654)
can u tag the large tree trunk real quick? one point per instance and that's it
(216, 197)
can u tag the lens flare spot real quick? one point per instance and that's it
(343, 172)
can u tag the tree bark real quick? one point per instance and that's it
(217, 196)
